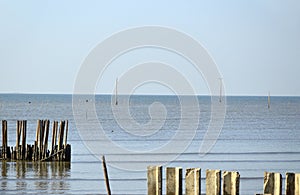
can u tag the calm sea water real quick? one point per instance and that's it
(254, 139)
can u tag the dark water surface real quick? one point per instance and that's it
(254, 139)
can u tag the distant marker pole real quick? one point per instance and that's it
(269, 101)
(220, 98)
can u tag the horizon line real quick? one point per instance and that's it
(147, 94)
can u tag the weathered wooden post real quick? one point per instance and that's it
(297, 183)
(174, 181)
(4, 139)
(60, 140)
(41, 138)
(231, 183)
(67, 156)
(61, 134)
(54, 135)
(154, 180)
(290, 183)
(29, 152)
(24, 129)
(18, 137)
(37, 133)
(272, 183)
(213, 182)
(66, 134)
(45, 139)
(37, 141)
(193, 181)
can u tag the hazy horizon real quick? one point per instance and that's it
(140, 94)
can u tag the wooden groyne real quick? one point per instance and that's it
(217, 182)
(39, 151)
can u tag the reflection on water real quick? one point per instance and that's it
(48, 177)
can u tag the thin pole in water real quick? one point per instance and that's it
(106, 175)
(269, 101)
(220, 98)
(116, 95)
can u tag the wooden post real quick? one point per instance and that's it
(29, 152)
(45, 140)
(213, 182)
(154, 180)
(17, 140)
(193, 181)
(61, 134)
(37, 133)
(4, 139)
(272, 183)
(34, 150)
(37, 140)
(41, 138)
(297, 183)
(106, 176)
(67, 156)
(53, 136)
(11, 151)
(290, 183)
(24, 126)
(66, 134)
(231, 183)
(18, 136)
(174, 181)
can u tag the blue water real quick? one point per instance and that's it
(253, 139)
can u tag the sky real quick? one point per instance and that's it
(255, 44)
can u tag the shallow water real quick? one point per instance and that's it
(254, 139)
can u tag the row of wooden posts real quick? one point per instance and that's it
(39, 151)
(230, 182)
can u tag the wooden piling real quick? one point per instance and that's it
(297, 183)
(24, 129)
(54, 130)
(61, 134)
(67, 153)
(37, 140)
(231, 183)
(29, 152)
(174, 181)
(45, 140)
(66, 134)
(213, 182)
(290, 183)
(193, 181)
(272, 183)
(37, 133)
(41, 137)
(18, 137)
(154, 180)
(4, 140)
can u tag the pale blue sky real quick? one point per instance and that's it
(256, 44)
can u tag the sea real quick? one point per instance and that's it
(252, 140)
